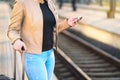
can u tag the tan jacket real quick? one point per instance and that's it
(26, 23)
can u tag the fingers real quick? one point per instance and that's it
(21, 49)
(73, 21)
(77, 19)
(20, 46)
(25, 48)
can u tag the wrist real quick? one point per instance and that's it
(15, 41)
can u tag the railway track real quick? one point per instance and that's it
(63, 72)
(65, 68)
(96, 65)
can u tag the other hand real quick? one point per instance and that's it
(73, 21)
(19, 46)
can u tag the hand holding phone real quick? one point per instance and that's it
(73, 21)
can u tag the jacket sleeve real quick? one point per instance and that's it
(14, 28)
(63, 25)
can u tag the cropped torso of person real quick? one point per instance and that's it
(27, 23)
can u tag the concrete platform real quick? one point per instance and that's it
(95, 25)
(6, 56)
(54, 77)
(94, 18)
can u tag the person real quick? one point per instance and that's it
(60, 4)
(73, 2)
(32, 27)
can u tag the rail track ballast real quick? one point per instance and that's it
(92, 64)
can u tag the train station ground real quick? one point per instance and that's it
(94, 24)
(93, 17)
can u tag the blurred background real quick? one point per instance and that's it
(100, 27)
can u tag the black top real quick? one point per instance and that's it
(48, 25)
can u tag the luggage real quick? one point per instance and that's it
(3, 77)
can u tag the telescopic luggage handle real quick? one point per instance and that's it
(14, 65)
(22, 56)
(22, 59)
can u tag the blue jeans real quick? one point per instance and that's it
(39, 66)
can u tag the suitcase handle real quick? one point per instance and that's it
(14, 65)
(22, 59)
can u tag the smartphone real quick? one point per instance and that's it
(79, 18)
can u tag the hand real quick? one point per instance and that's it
(20, 46)
(73, 21)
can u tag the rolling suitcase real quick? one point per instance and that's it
(3, 77)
